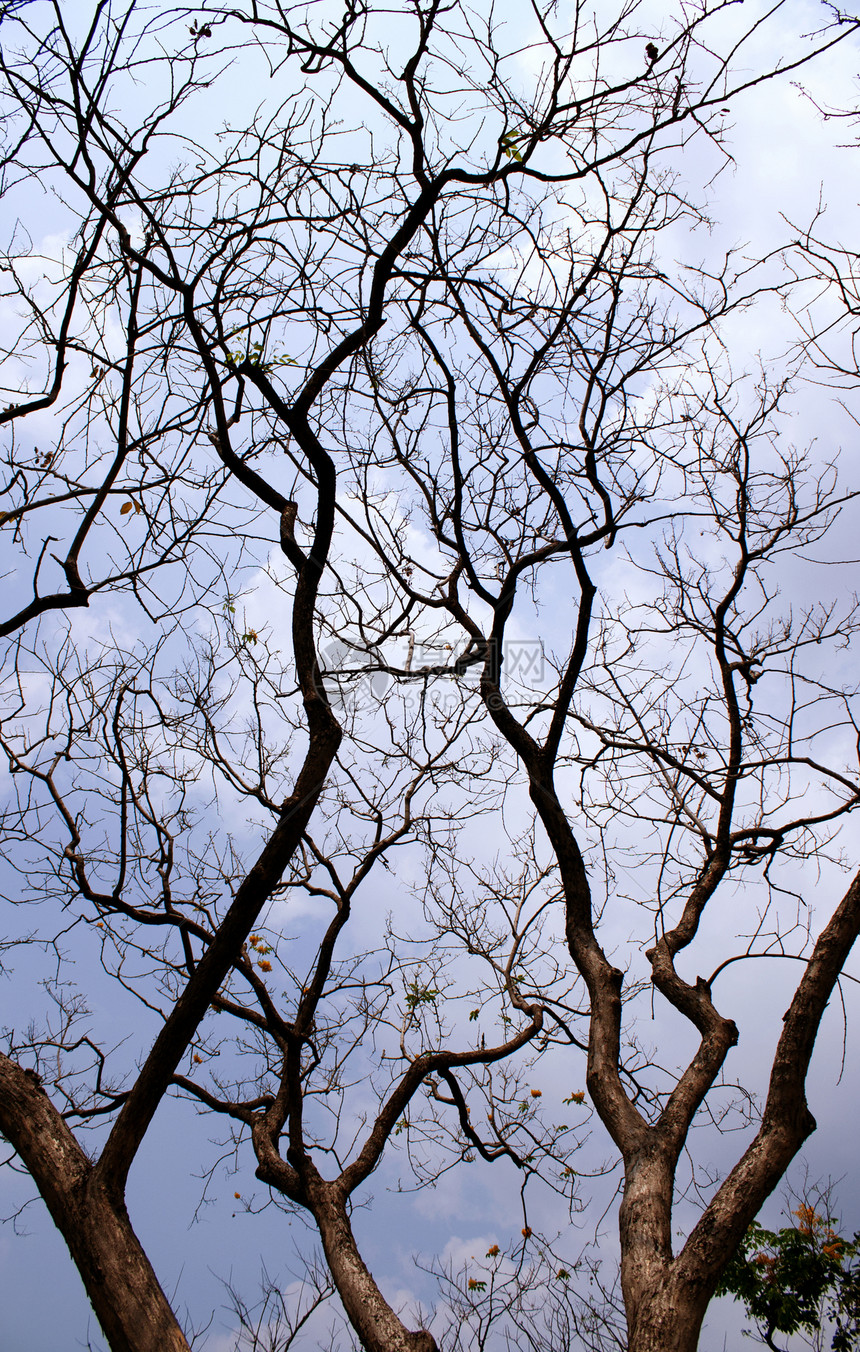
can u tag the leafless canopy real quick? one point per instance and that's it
(394, 629)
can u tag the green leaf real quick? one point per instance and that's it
(508, 143)
(787, 1279)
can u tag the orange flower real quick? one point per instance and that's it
(492, 1250)
(265, 965)
(536, 1093)
(526, 1232)
(238, 1196)
(808, 1219)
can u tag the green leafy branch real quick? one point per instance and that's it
(795, 1278)
(420, 995)
(253, 355)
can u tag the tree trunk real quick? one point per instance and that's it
(373, 1319)
(669, 1319)
(123, 1289)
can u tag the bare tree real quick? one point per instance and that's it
(401, 385)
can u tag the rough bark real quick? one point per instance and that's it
(120, 1282)
(376, 1324)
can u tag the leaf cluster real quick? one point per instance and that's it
(793, 1279)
